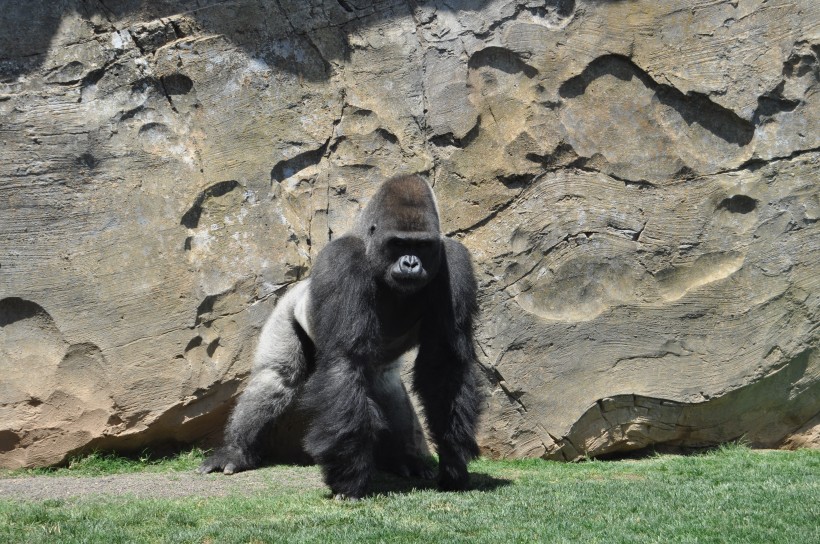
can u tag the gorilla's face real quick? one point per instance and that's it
(400, 228)
(408, 260)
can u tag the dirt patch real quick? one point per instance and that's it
(166, 485)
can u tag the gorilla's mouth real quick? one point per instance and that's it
(408, 282)
(409, 274)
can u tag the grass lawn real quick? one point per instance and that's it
(730, 495)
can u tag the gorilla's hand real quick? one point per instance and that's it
(228, 460)
(452, 476)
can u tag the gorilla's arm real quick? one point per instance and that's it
(347, 418)
(280, 367)
(443, 373)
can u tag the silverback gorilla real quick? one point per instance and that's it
(391, 284)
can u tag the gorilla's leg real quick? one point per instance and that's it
(444, 379)
(400, 446)
(280, 368)
(345, 427)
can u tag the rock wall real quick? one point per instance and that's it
(637, 181)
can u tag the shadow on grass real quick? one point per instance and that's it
(384, 483)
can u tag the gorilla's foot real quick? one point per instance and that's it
(453, 477)
(228, 460)
(421, 467)
(413, 466)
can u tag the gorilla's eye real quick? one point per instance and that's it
(398, 243)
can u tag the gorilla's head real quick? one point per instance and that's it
(400, 227)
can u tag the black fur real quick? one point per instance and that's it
(391, 284)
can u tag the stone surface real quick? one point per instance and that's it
(637, 182)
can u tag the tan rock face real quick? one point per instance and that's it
(637, 181)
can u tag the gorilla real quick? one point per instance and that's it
(391, 284)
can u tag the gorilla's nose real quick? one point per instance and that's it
(410, 264)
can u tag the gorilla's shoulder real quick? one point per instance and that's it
(341, 286)
(455, 249)
(346, 243)
(459, 262)
(460, 278)
(342, 259)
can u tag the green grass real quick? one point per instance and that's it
(100, 464)
(730, 495)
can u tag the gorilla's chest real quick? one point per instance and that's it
(399, 323)
(392, 347)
